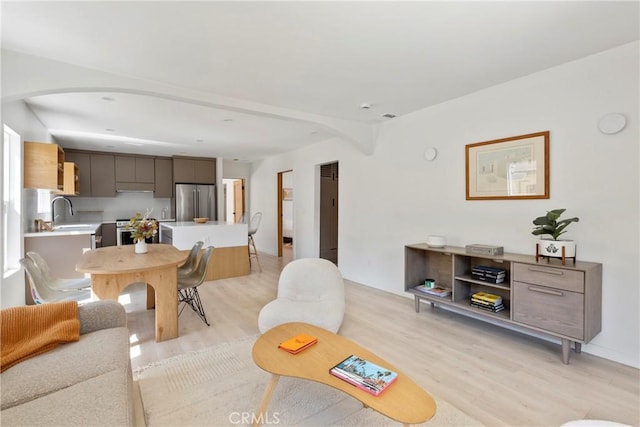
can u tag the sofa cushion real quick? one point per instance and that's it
(94, 354)
(105, 400)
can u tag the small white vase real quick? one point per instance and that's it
(553, 248)
(141, 247)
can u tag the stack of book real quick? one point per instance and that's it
(437, 291)
(488, 274)
(363, 374)
(486, 301)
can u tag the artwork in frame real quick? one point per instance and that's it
(287, 194)
(508, 168)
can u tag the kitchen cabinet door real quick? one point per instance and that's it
(43, 166)
(125, 169)
(145, 170)
(103, 175)
(194, 171)
(163, 178)
(205, 171)
(109, 234)
(83, 162)
(184, 171)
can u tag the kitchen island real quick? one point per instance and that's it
(230, 257)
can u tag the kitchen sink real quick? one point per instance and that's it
(67, 227)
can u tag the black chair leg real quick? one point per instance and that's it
(191, 297)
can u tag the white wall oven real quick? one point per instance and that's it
(123, 236)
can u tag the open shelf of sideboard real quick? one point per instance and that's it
(450, 267)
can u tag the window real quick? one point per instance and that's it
(11, 200)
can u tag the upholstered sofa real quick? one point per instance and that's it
(83, 383)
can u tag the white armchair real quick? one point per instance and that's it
(310, 290)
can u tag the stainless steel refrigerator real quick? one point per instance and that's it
(195, 201)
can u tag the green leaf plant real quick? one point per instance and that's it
(551, 224)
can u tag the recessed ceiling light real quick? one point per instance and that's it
(228, 120)
(365, 106)
(199, 140)
(110, 130)
(314, 132)
(108, 98)
(389, 115)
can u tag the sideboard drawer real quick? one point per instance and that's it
(550, 309)
(570, 280)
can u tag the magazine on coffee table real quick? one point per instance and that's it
(364, 374)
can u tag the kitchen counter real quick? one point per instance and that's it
(68, 230)
(230, 256)
(218, 234)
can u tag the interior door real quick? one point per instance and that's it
(329, 212)
(238, 200)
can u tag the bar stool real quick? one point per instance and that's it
(253, 228)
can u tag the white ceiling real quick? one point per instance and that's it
(322, 58)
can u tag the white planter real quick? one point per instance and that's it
(141, 247)
(553, 248)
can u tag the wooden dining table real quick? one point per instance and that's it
(114, 268)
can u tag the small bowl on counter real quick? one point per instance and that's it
(200, 220)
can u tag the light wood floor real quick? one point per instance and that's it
(500, 377)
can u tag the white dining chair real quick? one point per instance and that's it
(56, 283)
(43, 294)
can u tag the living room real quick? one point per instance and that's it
(391, 196)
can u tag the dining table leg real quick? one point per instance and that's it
(165, 284)
(164, 294)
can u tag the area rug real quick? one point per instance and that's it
(221, 386)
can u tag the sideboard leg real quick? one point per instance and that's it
(416, 301)
(578, 347)
(566, 349)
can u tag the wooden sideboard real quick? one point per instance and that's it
(563, 301)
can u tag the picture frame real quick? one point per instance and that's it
(287, 194)
(509, 168)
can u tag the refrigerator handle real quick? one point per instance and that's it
(195, 204)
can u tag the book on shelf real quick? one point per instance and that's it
(488, 278)
(494, 309)
(487, 269)
(488, 274)
(483, 302)
(364, 374)
(298, 343)
(437, 291)
(485, 296)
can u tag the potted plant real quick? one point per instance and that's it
(551, 225)
(142, 228)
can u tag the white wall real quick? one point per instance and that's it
(395, 197)
(19, 117)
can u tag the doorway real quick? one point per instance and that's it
(234, 196)
(329, 212)
(285, 214)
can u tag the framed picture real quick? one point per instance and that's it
(509, 168)
(287, 194)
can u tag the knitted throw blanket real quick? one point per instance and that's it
(32, 330)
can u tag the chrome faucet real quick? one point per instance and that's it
(53, 204)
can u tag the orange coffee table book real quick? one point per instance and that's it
(298, 343)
